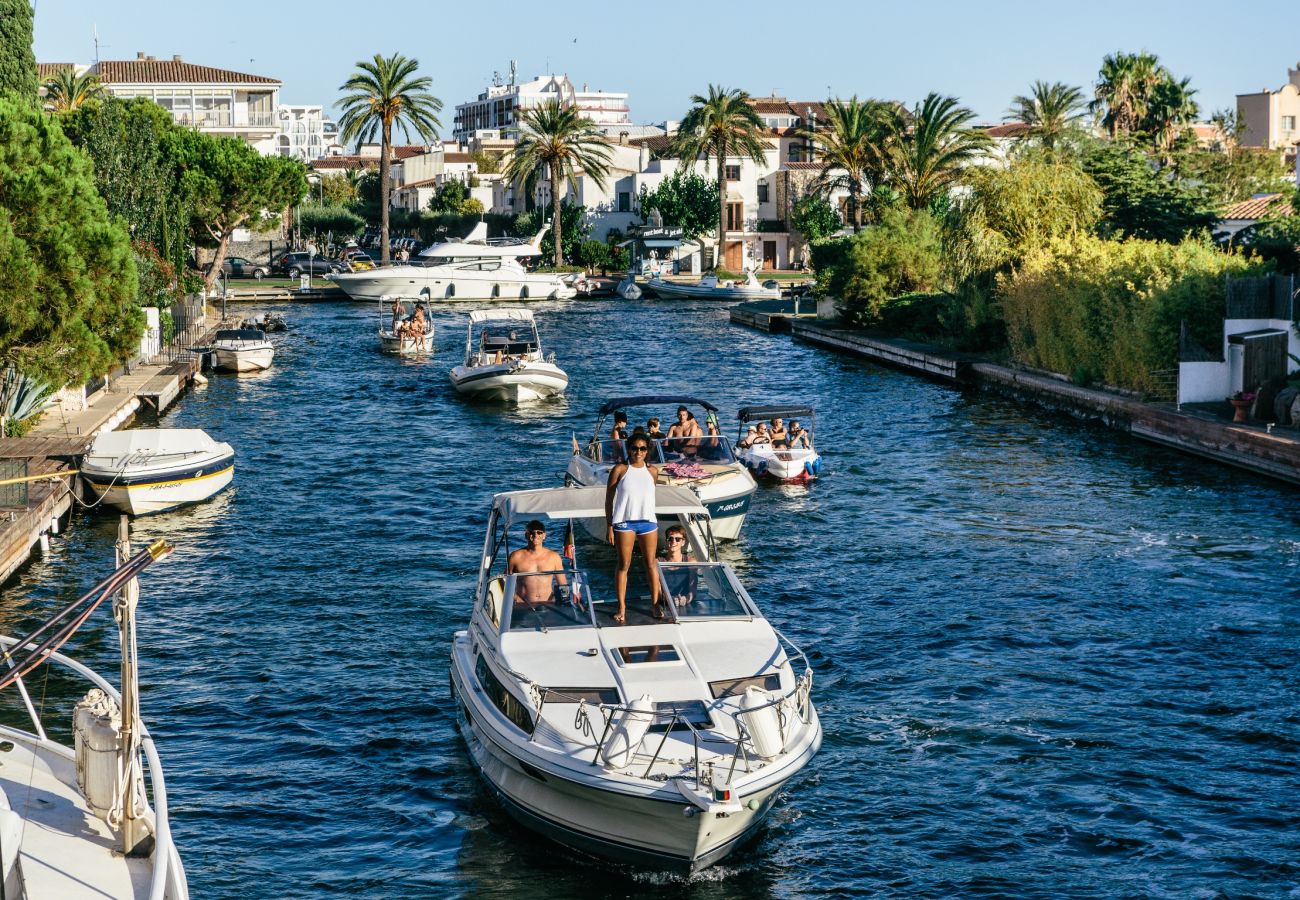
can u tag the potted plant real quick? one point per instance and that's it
(1241, 402)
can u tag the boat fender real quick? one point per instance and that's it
(810, 467)
(627, 729)
(97, 736)
(496, 291)
(523, 294)
(817, 466)
(763, 724)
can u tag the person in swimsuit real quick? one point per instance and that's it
(780, 437)
(630, 512)
(686, 426)
(679, 583)
(536, 557)
(748, 439)
(399, 318)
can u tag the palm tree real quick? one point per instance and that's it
(1050, 112)
(1124, 87)
(1169, 110)
(722, 125)
(931, 152)
(67, 90)
(556, 138)
(854, 147)
(384, 92)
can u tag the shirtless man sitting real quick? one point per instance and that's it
(536, 557)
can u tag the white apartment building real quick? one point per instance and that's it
(215, 101)
(497, 108)
(305, 133)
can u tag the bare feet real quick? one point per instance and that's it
(620, 615)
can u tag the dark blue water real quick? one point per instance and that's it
(1051, 661)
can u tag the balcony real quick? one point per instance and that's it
(223, 119)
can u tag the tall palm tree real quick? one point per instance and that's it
(1169, 111)
(930, 153)
(723, 124)
(556, 138)
(67, 90)
(1050, 111)
(1124, 87)
(854, 147)
(384, 92)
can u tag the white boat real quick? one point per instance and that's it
(504, 359)
(395, 312)
(659, 742)
(149, 470)
(241, 350)
(628, 289)
(710, 288)
(82, 821)
(461, 270)
(789, 464)
(705, 465)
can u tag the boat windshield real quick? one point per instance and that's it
(508, 338)
(713, 449)
(703, 591)
(614, 451)
(544, 600)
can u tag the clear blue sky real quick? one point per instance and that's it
(662, 52)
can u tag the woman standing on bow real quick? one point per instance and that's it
(630, 512)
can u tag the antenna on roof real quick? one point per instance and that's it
(514, 70)
(94, 35)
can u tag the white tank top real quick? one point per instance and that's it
(634, 496)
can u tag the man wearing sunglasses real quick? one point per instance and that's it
(536, 557)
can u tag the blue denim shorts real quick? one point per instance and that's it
(640, 526)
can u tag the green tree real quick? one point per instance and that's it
(901, 254)
(487, 162)
(814, 217)
(1123, 90)
(233, 186)
(67, 278)
(1141, 201)
(685, 199)
(573, 230)
(721, 125)
(382, 94)
(594, 255)
(449, 197)
(337, 189)
(855, 145)
(1230, 178)
(67, 90)
(329, 219)
(1276, 241)
(17, 62)
(933, 150)
(1051, 112)
(557, 139)
(1170, 112)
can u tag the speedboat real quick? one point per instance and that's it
(659, 742)
(267, 324)
(504, 359)
(241, 350)
(149, 470)
(710, 288)
(766, 460)
(705, 465)
(461, 270)
(80, 818)
(395, 332)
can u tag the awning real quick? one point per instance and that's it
(662, 243)
(560, 504)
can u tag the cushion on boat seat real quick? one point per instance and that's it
(496, 592)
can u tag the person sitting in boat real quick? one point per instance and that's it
(761, 436)
(653, 430)
(685, 427)
(799, 436)
(748, 440)
(536, 557)
(780, 437)
(418, 326)
(399, 318)
(679, 583)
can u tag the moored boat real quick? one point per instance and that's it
(659, 742)
(793, 460)
(710, 288)
(241, 350)
(504, 359)
(149, 470)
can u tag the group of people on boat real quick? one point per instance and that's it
(777, 435)
(685, 436)
(409, 326)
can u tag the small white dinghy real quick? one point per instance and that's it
(504, 359)
(241, 350)
(404, 327)
(791, 460)
(709, 288)
(149, 470)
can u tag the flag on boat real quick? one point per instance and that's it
(568, 541)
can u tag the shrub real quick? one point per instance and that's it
(900, 255)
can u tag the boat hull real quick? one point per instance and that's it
(417, 281)
(511, 384)
(243, 360)
(391, 343)
(694, 292)
(162, 491)
(788, 466)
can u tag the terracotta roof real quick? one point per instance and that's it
(427, 182)
(1006, 130)
(804, 166)
(660, 145)
(1264, 206)
(49, 70)
(457, 157)
(782, 106)
(406, 151)
(345, 162)
(170, 71)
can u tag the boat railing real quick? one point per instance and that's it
(166, 859)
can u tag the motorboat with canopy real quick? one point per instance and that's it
(659, 742)
(84, 820)
(706, 464)
(241, 350)
(793, 460)
(710, 288)
(401, 329)
(150, 470)
(504, 359)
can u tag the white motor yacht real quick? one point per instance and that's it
(662, 741)
(504, 359)
(149, 470)
(710, 288)
(397, 334)
(705, 464)
(461, 270)
(795, 464)
(242, 350)
(79, 819)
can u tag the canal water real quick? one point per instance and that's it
(1050, 661)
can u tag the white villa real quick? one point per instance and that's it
(305, 133)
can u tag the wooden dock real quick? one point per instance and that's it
(907, 355)
(773, 316)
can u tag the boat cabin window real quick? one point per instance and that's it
(540, 601)
(734, 687)
(631, 656)
(482, 265)
(574, 695)
(510, 705)
(703, 591)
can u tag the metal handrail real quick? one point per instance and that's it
(164, 852)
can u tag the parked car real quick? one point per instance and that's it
(358, 260)
(298, 263)
(239, 267)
